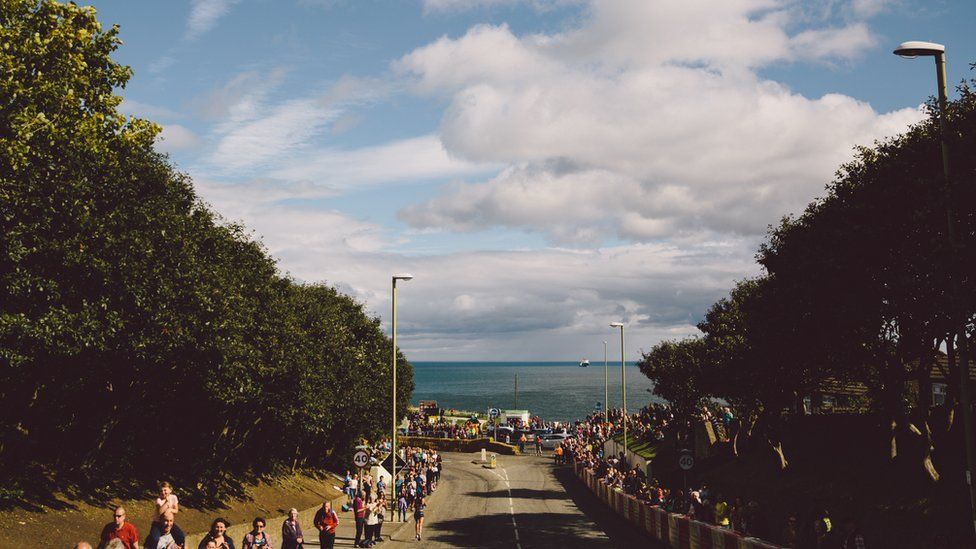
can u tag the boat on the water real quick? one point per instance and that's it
(584, 363)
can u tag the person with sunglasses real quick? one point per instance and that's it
(121, 530)
(257, 538)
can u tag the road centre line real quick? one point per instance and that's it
(511, 504)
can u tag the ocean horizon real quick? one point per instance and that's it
(552, 390)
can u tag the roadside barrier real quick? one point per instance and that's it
(678, 531)
(467, 445)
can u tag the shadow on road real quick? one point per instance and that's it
(535, 530)
(519, 493)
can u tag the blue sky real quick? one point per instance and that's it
(543, 167)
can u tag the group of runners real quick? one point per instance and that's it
(368, 499)
(164, 533)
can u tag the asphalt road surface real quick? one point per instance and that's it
(526, 502)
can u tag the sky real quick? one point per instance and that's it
(542, 167)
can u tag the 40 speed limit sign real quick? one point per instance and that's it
(360, 459)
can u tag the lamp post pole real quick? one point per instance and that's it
(926, 49)
(606, 384)
(393, 445)
(623, 382)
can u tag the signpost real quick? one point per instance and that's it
(685, 461)
(361, 459)
(388, 465)
(493, 414)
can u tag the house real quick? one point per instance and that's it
(836, 396)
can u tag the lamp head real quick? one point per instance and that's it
(913, 49)
(616, 324)
(403, 276)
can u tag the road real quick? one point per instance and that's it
(524, 503)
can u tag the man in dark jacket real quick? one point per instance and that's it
(170, 533)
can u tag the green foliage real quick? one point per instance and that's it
(676, 368)
(141, 338)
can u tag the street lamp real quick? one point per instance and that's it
(912, 50)
(623, 381)
(393, 450)
(606, 385)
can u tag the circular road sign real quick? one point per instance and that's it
(686, 462)
(360, 459)
(492, 412)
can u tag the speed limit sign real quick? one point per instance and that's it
(360, 459)
(686, 462)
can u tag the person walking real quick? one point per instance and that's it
(419, 504)
(166, 502)
(325, 522)
(538, 445)
(359, 509)
(218, 529)
(257, 538)
(380, 518)
(368, 486)
(291, 531)
(372, 520)
(121, 530)
(402, 506)
(168, 533)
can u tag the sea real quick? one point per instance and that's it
(554, 391)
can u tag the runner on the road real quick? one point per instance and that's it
(419, 504)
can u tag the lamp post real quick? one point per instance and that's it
(623, 381)
(928, 49)
(606, 384)
(393, 450)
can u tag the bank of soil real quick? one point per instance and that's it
(63, 523)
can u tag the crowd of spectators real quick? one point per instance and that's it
(700, 502)
(420, 423)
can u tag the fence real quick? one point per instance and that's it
(678, 531)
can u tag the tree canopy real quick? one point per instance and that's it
(141, 336)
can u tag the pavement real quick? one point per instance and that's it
(526, 502)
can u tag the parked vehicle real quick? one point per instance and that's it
(549, 442)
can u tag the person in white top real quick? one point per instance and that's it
(353, 486)
(167, 502)
(372, 521)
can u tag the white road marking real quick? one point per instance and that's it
(511, 504)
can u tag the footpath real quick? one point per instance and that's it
(345, 532)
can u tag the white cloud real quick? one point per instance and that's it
(204, 15)
(631, 126)
(647, 124)
(411, 159)
(461, 5)
(139, 109)
(835, 43)
(282, 132)
(870, 8)
(541, 304)
(175, 137)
